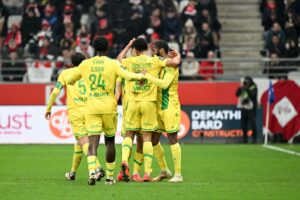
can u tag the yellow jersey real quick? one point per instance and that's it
(143, 90)
(100, 74)
(76, 94)
(170, 94)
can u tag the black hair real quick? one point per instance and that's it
(100, 44)
(77, 58)
(161, 44)
(140, 44)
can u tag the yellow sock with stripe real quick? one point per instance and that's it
(176, 154)
(126, 148)
(159, 154)
(85, 151)
(91, 164)
(77, 155)
(110, 170)
(148, 155)
(137, 162)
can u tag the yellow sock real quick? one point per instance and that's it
(159, 154)
(91, 163)
(148, 155)
(85, 149)
(126, 148)
(77, 154)
(137, 162)
(110, 169)
(176, 154)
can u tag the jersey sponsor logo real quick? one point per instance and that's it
(59, 125)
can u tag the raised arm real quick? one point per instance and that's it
(128, 75)
(174, 59)
(125, 50)
(162, 83)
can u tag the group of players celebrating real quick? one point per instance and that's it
(148, 86)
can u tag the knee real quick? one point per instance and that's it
(109, 141)
(172, 138)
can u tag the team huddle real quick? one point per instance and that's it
(148, 86)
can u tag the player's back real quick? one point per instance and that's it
(170, 94)
(143, 90)
(76, 94)
(100, 77)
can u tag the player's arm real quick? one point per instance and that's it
(128, 75)
(125, 50)
(55, 92)
(162, 83)
(118, 88)
(174, 59)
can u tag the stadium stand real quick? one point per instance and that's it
(41, 31)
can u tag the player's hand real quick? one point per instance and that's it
(144, 71)
(131, 42)
(47, 115)
(172, 54)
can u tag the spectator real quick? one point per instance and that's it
(13, 70)
(71, 14)
(156, 21)
(269, 18)
(190, 66)
(83, 33)
(100, 24)
(292, 40)
(31, 23)
(209, 5)
(99, 5)
(210, 69)
(3, 23)
(188, 46)
(208, 41)
(205, 16)
(189, 31)
(136, 20)
(275, 30)
(189, 11)
(46, 50)
(172, 42)
(85, 48)
(52, 19)
(13, 40)
(172, 24)
(277, 47)
(275, 69)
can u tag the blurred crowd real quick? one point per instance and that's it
(281, 22)
(45, 33)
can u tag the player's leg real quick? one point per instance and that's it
(110, 128)
(132, 125)
(123, 134)
(149, 125)
(172, 126)
(138, 158)
(159, 154)
(176, 155)
(77, 125)
(94, 128)
(244, 124)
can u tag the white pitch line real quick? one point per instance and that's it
(281, 150)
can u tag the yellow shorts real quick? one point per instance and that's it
(95, 124)
(141, 116)
(169, 120)
(77, 120)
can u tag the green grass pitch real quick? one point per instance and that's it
(209, 171)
